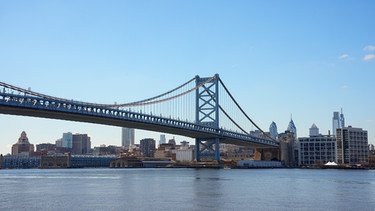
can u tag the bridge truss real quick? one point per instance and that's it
(201, 108)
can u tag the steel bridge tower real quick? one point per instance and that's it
(207, 114)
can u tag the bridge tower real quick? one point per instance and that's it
(207, 114)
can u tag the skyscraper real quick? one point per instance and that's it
(292, 128)
(67, 140)
(147, 146)
(162, 139)
(342, 119)
(335, 122)
(127, 137)
(273, 130)
(81, 144)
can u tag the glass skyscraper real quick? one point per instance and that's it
(338, 121)
(273, 130)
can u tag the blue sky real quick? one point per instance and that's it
(278, 58)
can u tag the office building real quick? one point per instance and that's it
(81, 144)
(23, 146)
(335, 122)
(338, 121)
(127, 138)
(292, 127)
(162, 139)
(147, 147)
(273, 130)
(316, 149)
(351, 146)
(67, 140)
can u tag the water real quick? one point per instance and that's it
(187, 189)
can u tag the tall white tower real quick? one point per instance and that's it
(127, 138)
(162, 139)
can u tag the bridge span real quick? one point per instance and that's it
(198, 105)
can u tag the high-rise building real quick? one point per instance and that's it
(342, 119)
(81, 144)
(23, 146)
(351, 146)
(335, 122)
(67, 140)
(147, 147)
(273, 130)
(127, 138)
(292, 127)
(162, 139)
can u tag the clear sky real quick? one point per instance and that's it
(305, 58)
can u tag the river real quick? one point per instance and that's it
(187, 189)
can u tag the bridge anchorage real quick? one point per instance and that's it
(202, 108)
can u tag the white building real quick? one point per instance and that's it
(162, 139)
(127, 137)
(184, 155)
(316, 150)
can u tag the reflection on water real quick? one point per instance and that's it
(187, 189)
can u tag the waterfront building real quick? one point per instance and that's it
(317, 148)
(81, 144)
(147, 146)
(55, 161)
(23, 146)
(67, 140)
(184, 155)
(287, 152)
(127, 137)
(351, 146)
(273, 130)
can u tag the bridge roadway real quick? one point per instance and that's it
(76, 111)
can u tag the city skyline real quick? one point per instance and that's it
(307, 59)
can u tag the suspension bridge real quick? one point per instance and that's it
(201, 108)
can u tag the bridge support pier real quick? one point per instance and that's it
(207, 148)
